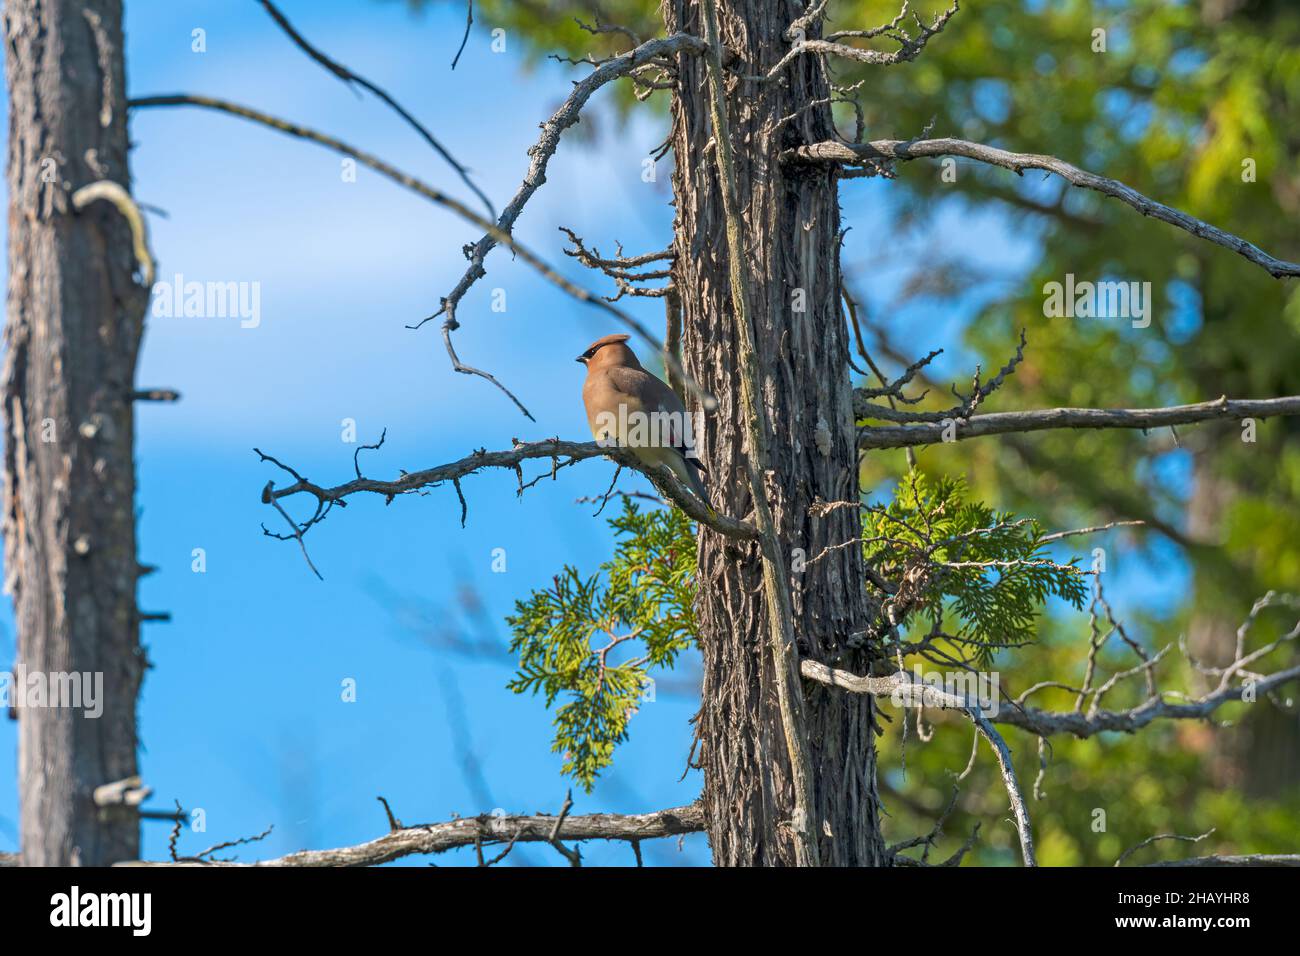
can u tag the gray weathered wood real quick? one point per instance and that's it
(487, 830)
(791, 227)
(73, 330)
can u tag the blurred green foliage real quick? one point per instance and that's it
(1187, 101)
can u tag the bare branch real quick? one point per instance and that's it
(894, 389)
(574, 856)
(811, 16)
(604, 499)
(394, 824)
(620, 268)
(350, 78)
(852, 306)
(206, 855)
(905, 150)
(554, 449)
(902, 684)
(541, 152)
(298, 531)
(155, 395)
(999, 423)
(433, 195)
(960, 412)
(1154, 706)
(1060, 535)
(1261, 859)
(600, 28)
(1046, 723)
(1162, 836)
(469, 22)
(935, 833)
(356, 454)
(910, 47)
(488, 830)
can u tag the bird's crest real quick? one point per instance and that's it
(608, 340)
(595, 346)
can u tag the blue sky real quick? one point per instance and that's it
(242, 714)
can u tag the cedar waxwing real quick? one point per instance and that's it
(628, 405)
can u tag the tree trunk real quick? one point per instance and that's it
(792, 230)
(73, 330)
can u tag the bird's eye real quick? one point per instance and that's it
(589, 353)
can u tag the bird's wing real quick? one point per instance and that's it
(653, 395)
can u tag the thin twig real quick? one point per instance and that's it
(541, 152)
(469, 22)
(1163, 836)
(415, 482)
(347, 76)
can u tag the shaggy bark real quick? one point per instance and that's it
(792, 228)
(72, 334)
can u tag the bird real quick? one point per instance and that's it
(629, 406)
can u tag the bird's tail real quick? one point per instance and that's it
(694, 473)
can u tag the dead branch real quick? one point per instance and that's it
(541, 152)
(1094, 720)
(486, 830)
(1061, 535)
(433, 195)
(894, 389)
(351, 79)
(416, 186)
(620, 268)
(605, 28)
(592, 259)
(902, 684)
(910, 47)
(960, 412)
(1260, 859)
(906, 150)
(560, 453)
(574, 856)
(1157, 838)
(1046, 723)
(1000, 423)
(469, 23)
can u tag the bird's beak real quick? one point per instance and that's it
(582, 360)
